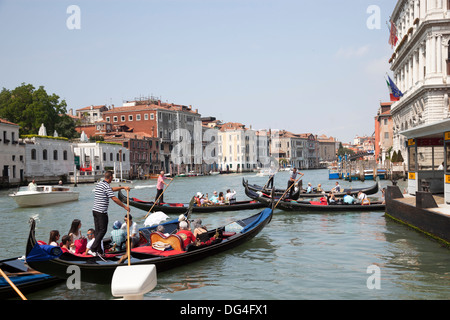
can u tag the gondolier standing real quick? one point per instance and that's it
(292, 179)
(102, 193)
(160, 187)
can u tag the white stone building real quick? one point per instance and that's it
(420, 65)
(47, 159)
(12, 155)
(237, 148)
(95, 158)
(421, 70)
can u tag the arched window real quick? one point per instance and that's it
(33, 154)
(55, 154)
(44, 154)
(65, 154)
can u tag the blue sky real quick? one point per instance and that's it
(303, 66)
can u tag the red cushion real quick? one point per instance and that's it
(150, 250)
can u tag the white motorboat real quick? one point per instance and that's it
(44, 195)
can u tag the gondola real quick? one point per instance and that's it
(303, 194)
(181, 208)
(24, 278)
(101, 269)
(293, 205)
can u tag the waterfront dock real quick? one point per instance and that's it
(423, 212)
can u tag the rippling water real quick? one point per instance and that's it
(297, 256)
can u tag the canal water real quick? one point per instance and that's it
(297, 256)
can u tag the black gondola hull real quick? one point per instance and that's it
(94, 270)
(302, 193)
(307, 206)
(147, 205)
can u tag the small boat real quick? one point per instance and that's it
(44, 195)
(25, 279)
(181, 207)
(101, 269)
(293, 205)
(303, 194)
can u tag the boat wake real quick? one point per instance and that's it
(145, 187)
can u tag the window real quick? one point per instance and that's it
(108, 119)
(44, 154)
(122, 118)
(33, 154)
(138, 117)
(115, 119)
(65, 155)
(152, 116)
(385, 122)
(130, 117)
(386, 135)
(55, 154)
(104, 156)
(146, 116)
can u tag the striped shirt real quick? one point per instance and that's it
(102, 194)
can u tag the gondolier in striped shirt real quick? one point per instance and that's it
(102, 193)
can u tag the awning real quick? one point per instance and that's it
(434, 129)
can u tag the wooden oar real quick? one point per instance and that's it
(287, 191)
(12, 285)
(158, 199)
(128, 228)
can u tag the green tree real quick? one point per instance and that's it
(30, 107)
(394, 157)
(400, 157)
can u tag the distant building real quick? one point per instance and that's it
(237, 148)
(91, 114)
(328, 147)
(95, 158)
(12, 155)
(48, 159)
(144, 152)
(383, 132)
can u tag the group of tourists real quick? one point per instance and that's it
(217, 198)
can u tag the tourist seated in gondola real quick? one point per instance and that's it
(323, 199)
(230, 197)
(134, 233)
(348, 199)
(65, 243)
(200, 231)
(185, 234)
(362, 198)
(331, 198)
(309, 189)
(319, 188)
(118, 236)
(221, 198)
(91, 238)
(215, 198)
(54, 238)
(160, 228)
(337, 188)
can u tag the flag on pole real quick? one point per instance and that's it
(393, 35)
(394, 92)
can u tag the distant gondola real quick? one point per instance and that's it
(24, 278)
(302, 193)
(181, 208)
(292, 205)
(101, 270)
